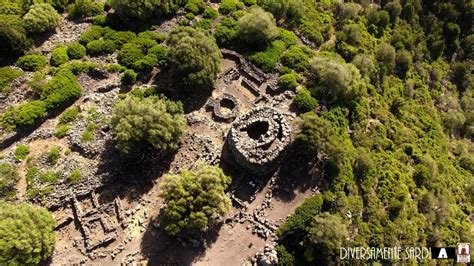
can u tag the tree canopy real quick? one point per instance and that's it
(152, 121)
(194, 199)
(26, 234)
(194, 58)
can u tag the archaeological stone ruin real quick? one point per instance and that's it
(258, 139)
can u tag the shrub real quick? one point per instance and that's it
(129, 77)
(257, 28)
(229, 6)
(8, 180)
(364, 63)
(85, 9)
(41, 18)
(115, 68)
(75, 176)
(283, 9)
(288, 81)
(210, 13)
(93, 33)
(195, 6)
(146, 63)
(100, 47)
(193, 199)
(7, 75)
(143, 9)
(119, 37)
(226, 32)
(328, 233)
(77, 67)
(61, 131)
(76, 51)
(21, 152)
(204, 24)
(304, 101)
(250, 2)
(32, 62)
(337, 81)
(194, 58)
(23, 115)
(296, 57)
(403, 62)
(59, 56)
(385, 55)
(53, 155)
(12, 36)
(152, 35)
(129, 54)
(162, 129)
(61, 90)
(268, 58)
(99, 20)
(27, 234)
(190, 16)
(10, 8)
(160, 52)
(69, 115)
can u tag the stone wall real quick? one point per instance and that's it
(258, 139)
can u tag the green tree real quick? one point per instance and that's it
(84, 9)
(41, 18)
(283, 9)
(141, 122)
(257, 27)
(194, 199)
(194, 58)
(8, 179)
(337, 81)
(385, 55)
(26, 234)
(328, 233)
(13, 36)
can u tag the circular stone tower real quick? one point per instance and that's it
(258, 139)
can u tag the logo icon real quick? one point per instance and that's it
(463, 253)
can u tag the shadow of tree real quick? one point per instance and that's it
(297, 175)
(159, 248)
(130, 177)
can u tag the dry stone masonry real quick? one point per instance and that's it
(259, 138)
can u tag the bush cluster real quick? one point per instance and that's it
(32, 62)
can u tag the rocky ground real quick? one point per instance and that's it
(109, 215)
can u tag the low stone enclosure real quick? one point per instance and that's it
(258, 139)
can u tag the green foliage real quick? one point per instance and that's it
(268, 58)
(23, 115)
(289, 81)
(296, 57)
(256, 28)
(302, 217)
(61, 90)
(328, 234)
(26, 233)
(61, 131)
(304, 101)
(41, 18)
(7, 75)
(85, 9)
(93, 33)
(10, 8)
(77, 67)
(193, 57)
(205, 24)
(12, 35)
(21, 152)
(403, 62)
(59, 56)
(49, 177)
(32, 62)
(100, 47)
(210, 13)
(337, 81)
(75, 176)
(195, 6)
(228, 6)
(76, 51)
(144, 9)
(194, 199)
(160, 52)
(129, 77)
(226, 32)
(385, 55)
(8, 178)
(283, 9)
(53, 155)
(152, 121)
(121, 37)
(152, 35)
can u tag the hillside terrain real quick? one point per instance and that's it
(253, 132)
